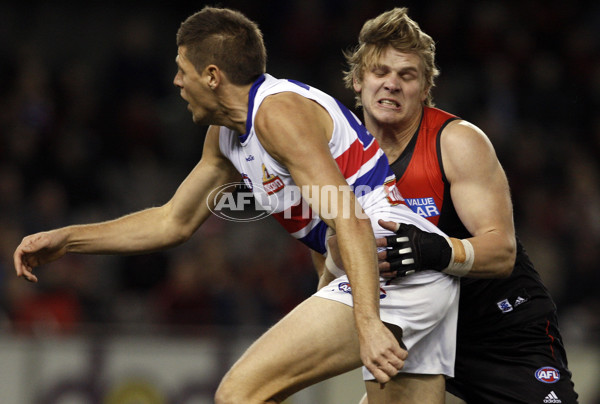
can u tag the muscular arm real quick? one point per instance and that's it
(296, 131)
(144, 231)
(301, 144)
(481, 197)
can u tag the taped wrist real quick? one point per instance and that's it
(462, 257)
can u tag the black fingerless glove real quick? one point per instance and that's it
(413, 249)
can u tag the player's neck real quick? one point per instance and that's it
(393, 138)
(233, 107)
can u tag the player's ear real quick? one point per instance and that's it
(212, 75)
(425, 93)
(356, 84)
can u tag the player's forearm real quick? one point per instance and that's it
(494, 253)
(357, 248)
(140, 232)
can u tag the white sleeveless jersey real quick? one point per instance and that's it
(355, 150)
(425, 304)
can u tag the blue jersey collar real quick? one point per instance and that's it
(251, 96)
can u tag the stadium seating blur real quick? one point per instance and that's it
(91, 128)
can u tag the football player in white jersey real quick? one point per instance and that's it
(221, 58)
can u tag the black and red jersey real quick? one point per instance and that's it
(484, 303)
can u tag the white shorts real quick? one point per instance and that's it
(425, 306)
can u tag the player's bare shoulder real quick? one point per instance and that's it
(461, 133)
(465, 147)
(288, 108)
(288, 123)
(462, 138)
(279, 104)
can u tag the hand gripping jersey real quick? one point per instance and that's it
(485, 304)
(356, 152)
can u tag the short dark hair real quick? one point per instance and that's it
(226, 38)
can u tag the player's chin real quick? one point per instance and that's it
(389, 118)
(198, 120)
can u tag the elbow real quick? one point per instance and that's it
(175, 230)
(171, 237)
(505, 271)
(508, 259)
(179, 238)
(180, 233)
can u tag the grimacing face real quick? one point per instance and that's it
(392, 91)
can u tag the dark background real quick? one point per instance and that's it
(92, 128)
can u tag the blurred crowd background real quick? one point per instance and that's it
(91, 128)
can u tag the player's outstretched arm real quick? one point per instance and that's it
(36, 250)
(145, 231)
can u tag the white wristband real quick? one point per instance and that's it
(462, 257)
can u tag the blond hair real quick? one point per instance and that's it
(396, 29)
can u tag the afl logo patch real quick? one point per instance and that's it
(547, 374)
(345, 287)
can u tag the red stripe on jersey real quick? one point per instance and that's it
(351, 160)
(294, 219)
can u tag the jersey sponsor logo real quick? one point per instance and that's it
(505, 306)
(392, 194)
(547, 374)
(271, 183)
(552, 398)
(425, 207)
(346, 288)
